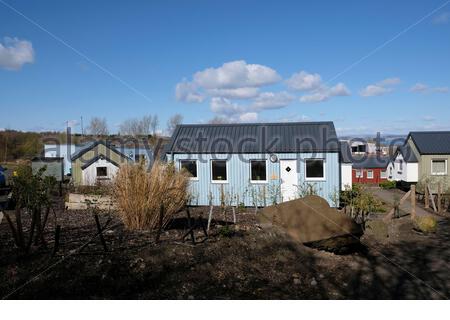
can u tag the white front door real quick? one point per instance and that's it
(289, 181)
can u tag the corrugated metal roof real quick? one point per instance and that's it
(346, 152)
(407, 153)
(431, 142)
(371, 162)
(255, 138)
(91, 145)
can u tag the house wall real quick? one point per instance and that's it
(346, 175)
(239, 184)
(364, 179)
(89, 175)
(67, 150)
(424, 165)
(99, 149)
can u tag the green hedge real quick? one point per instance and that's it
(388, 184)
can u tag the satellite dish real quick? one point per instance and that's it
(273, 158)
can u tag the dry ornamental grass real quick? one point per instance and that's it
(140, 194)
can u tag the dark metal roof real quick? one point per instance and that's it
(255, 138)
(370, 162)
(407, 153)
(346, 152)
(431, 142)
(92, 145)
(93, 160)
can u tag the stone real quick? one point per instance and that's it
(297, 281)
(313, 282)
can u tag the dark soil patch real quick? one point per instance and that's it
(245, 262)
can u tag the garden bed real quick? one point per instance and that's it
(236, 261)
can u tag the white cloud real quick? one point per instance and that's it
(374, 90)
(236, 74)
(324, 93)
(423, 88)
(419, 87)
(440, 89)
(304, 81)
(248, 117)
(380, 88)
(224, 106)
(188, 92)
(14, 53)
(442, 18)
(429, 118)
(388, 82)
(272, 100)
(236, 93)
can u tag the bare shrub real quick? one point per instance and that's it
(426, 223)
(140, 195)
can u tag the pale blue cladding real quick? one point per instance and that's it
(239, 188)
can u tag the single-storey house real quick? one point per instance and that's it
(97, 164)
(424, 156)
(54, 167)
(258, 163)
(370, 169)
(404, 166)
(67, 151)
(346, 166)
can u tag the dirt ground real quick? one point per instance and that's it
(240, 261)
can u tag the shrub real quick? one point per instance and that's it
(140, 194)
(388, 184)
(426, 223)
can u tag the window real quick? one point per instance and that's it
(219, 170)
(439, 167)
(314, 169)
(400, 165)
(102, 171)
(258, 170)
(359, 173)
(369, 174)
(383, 174)
(190, 166)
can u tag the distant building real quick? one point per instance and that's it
(371, 169)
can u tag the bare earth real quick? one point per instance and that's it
(247, 263)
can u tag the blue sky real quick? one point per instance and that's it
(240, 60)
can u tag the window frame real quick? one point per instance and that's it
(314, 178)
(359, 173)
(383, 174)
(438, 174)
(101, 176)
(196, 167)
(372, 175)
(211, 171)
(267, 171)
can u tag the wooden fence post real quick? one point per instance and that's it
(439, 198)
(431, 197)
(427, 198)
(413, 202)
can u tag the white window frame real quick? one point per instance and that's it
(383, 174)
(211, 173)
(438, 174)
(324, 170)
(359, 173)
(371, 174)
(196, 164)
(101, 177)
(267, 171)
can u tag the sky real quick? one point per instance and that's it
(368, 66)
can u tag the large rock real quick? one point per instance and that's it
(311, 220)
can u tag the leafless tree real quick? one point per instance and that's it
(136, 127)
(174, 120)
(218, 120)
(154, 124)
(98, 126)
